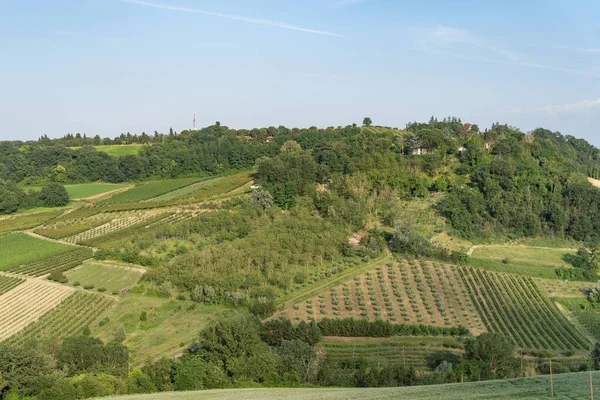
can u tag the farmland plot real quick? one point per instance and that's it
(110, 227)
(111, 276)
(151, 189)
(61, 262)
(28, 302)
(7, 283)
(408, 351)
(515, 306)
(20, 248)
(409, 292)
(69, 317)
(26, 221)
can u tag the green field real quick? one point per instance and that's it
(111, 276)
(209, 188)
(171, 325)
(566, 386)
(116, 150)
(587, 316)
(151, 189)
(540, 262)
(84, 190)
(20, 248)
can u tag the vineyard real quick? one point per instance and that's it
(407, 292)
(111, 277)
(60, 262)
(110, 227)
(515, 306)
(208, 189)
(408, 351)
(586, 314)
(26, 221)
(73, 227)
(71, 315)
(20, 248)
(7, 283)
(26, 303)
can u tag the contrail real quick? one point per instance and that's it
(266, 22)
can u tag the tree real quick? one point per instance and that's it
(494, 352)
(54, 195)
(263, 198)
(298, 360)
(11, 197)
(290, 146)
(367, 121)
(596, 357)
(195, 373)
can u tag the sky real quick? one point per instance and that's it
(111, 66)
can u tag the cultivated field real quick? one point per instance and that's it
(72, 227)
(409, 292)
(60, 262)
(111, 276)
(566, 387)
(20, 248)
(72, 314)
(112, 226)
(26, 221)
(7, 283)
(407, 351)
(586, 315)
(151, 189)
(515, 306)
(28, 302)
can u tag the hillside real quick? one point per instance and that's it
(348, 257)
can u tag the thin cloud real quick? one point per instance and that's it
(459, 43)
(571, 108)
(256, 21)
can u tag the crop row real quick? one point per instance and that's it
(7, 283)
(74, 313)
(110, 227)
(408, 292)
(26, 303)
(516, 307)
(60, 262)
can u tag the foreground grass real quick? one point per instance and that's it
(566, 386)
(20, 248)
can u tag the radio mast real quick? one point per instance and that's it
(194, 124)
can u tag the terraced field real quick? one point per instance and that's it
(515, 306)
(69, 317)
(20, 248)
(60, 262)
(26, 221)
(28, 302)
(407, 292)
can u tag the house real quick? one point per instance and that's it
(255, 187)
(419, 151)
(461, 149)
(269, 139)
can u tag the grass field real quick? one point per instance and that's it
(566, 386)
(85, 190)
(209, 188)
(111, 276)
(587, 317)
(21, 222)
(536, 257)
(151, 189)
(117, 149)
(171, 325)
(20, 248)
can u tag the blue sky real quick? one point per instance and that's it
(111, 66)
